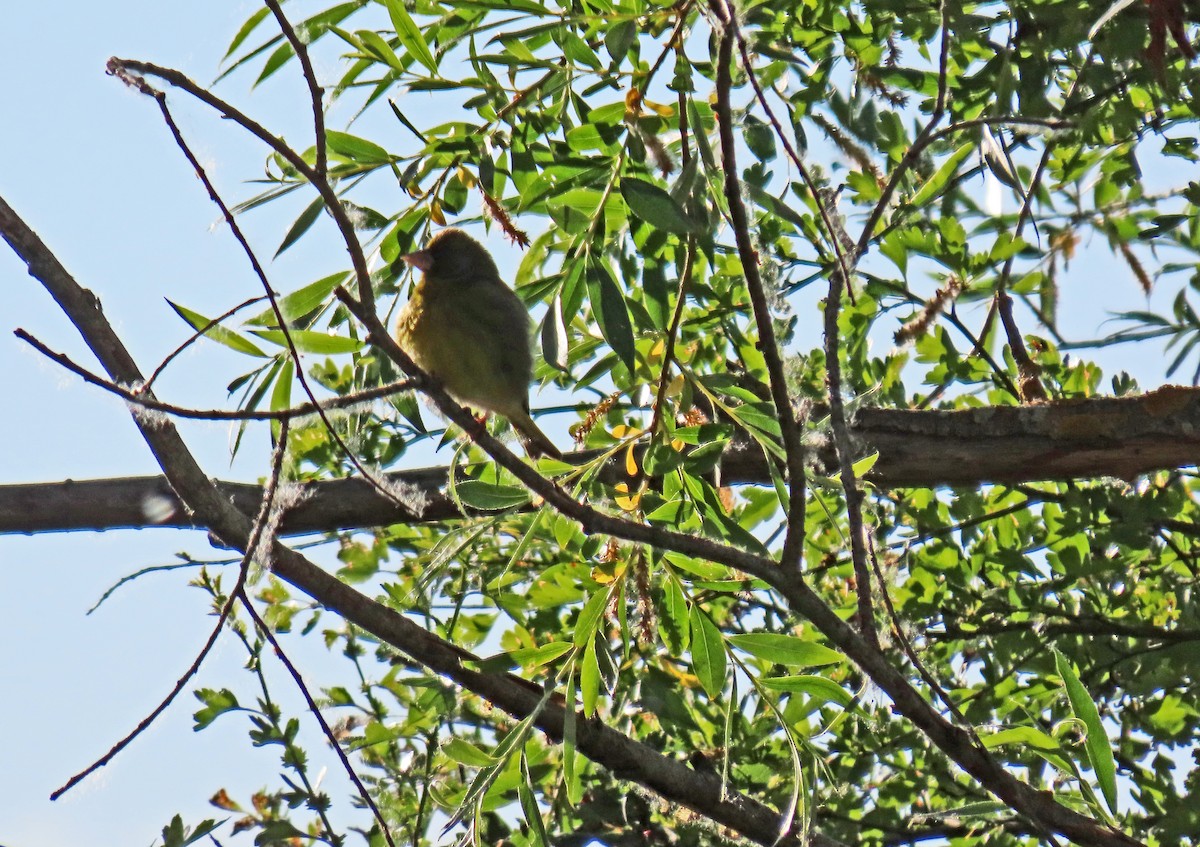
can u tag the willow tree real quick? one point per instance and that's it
(790, 586)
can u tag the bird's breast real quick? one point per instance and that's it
(472, 341)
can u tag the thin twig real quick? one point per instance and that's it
(793, 543)
(316, 712)
(685, 281)
(906, 646)
(1029, 382)
(1028, 372)
(833, 230)
(310, 78)
(923, 139)
(126, 70)
(260, 522)
(138, 398)
(161, 99)
(833, 369)
(191, 339)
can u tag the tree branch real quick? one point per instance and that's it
(793, 544)
(626, 758)
(1102, 437)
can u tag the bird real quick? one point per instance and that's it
(470, 332)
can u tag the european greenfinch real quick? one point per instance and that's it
(468, 330)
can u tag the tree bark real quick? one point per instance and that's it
(1073, 439)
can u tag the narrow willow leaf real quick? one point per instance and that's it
(216, 332)
(708, 652)
(356, 149)
(655, 206)
(788, 813)
(571, 780)
(380, 49)
(1025, 736)
(301, 301)
(248, 27)
(863, 466)
(589, 679)
(282, 55)
(1099, 751)
(407, 123)
(673, 617)
(533, 815)
(466, 753)
(311, 341)
(281, 395)
(938, 182)
(816, 687)
(589, 617)
(489, 496)
(410, 35)
(483, 780)
(535, 657)
(555, 344)
(785, 649)
(302, 224)
(612, 314)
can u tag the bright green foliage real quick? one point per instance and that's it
(591, 127)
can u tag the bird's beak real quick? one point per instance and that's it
(421, 260)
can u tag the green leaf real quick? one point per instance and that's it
(216, 703)
(175, 834)
(356, 149)
(216, 332)
(1099, 751)
(611, 312)
(533, 815)
(589, 617)
(489, 496)
(311, 341)
(410, 35)
(618, 38)
(1024, 736)
(302, 301)
(760, 138)
(248, 27)
(816, 687)
(589, 679)
(383, 51)
(655, 206)
(281, 396)
(555, 343)
(508, 745)
(280, 57)
(708, 652)
(673, 617)
(466, 753)
(302, 224)
(938, 182)
(535, 657)
(571, 780)
(785, 649)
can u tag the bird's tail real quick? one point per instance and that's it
(536, 442)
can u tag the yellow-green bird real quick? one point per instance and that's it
(468, 330)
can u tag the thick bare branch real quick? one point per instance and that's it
(1101, 437)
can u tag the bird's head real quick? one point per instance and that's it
(453, 256)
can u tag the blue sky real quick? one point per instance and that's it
(91, 168)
